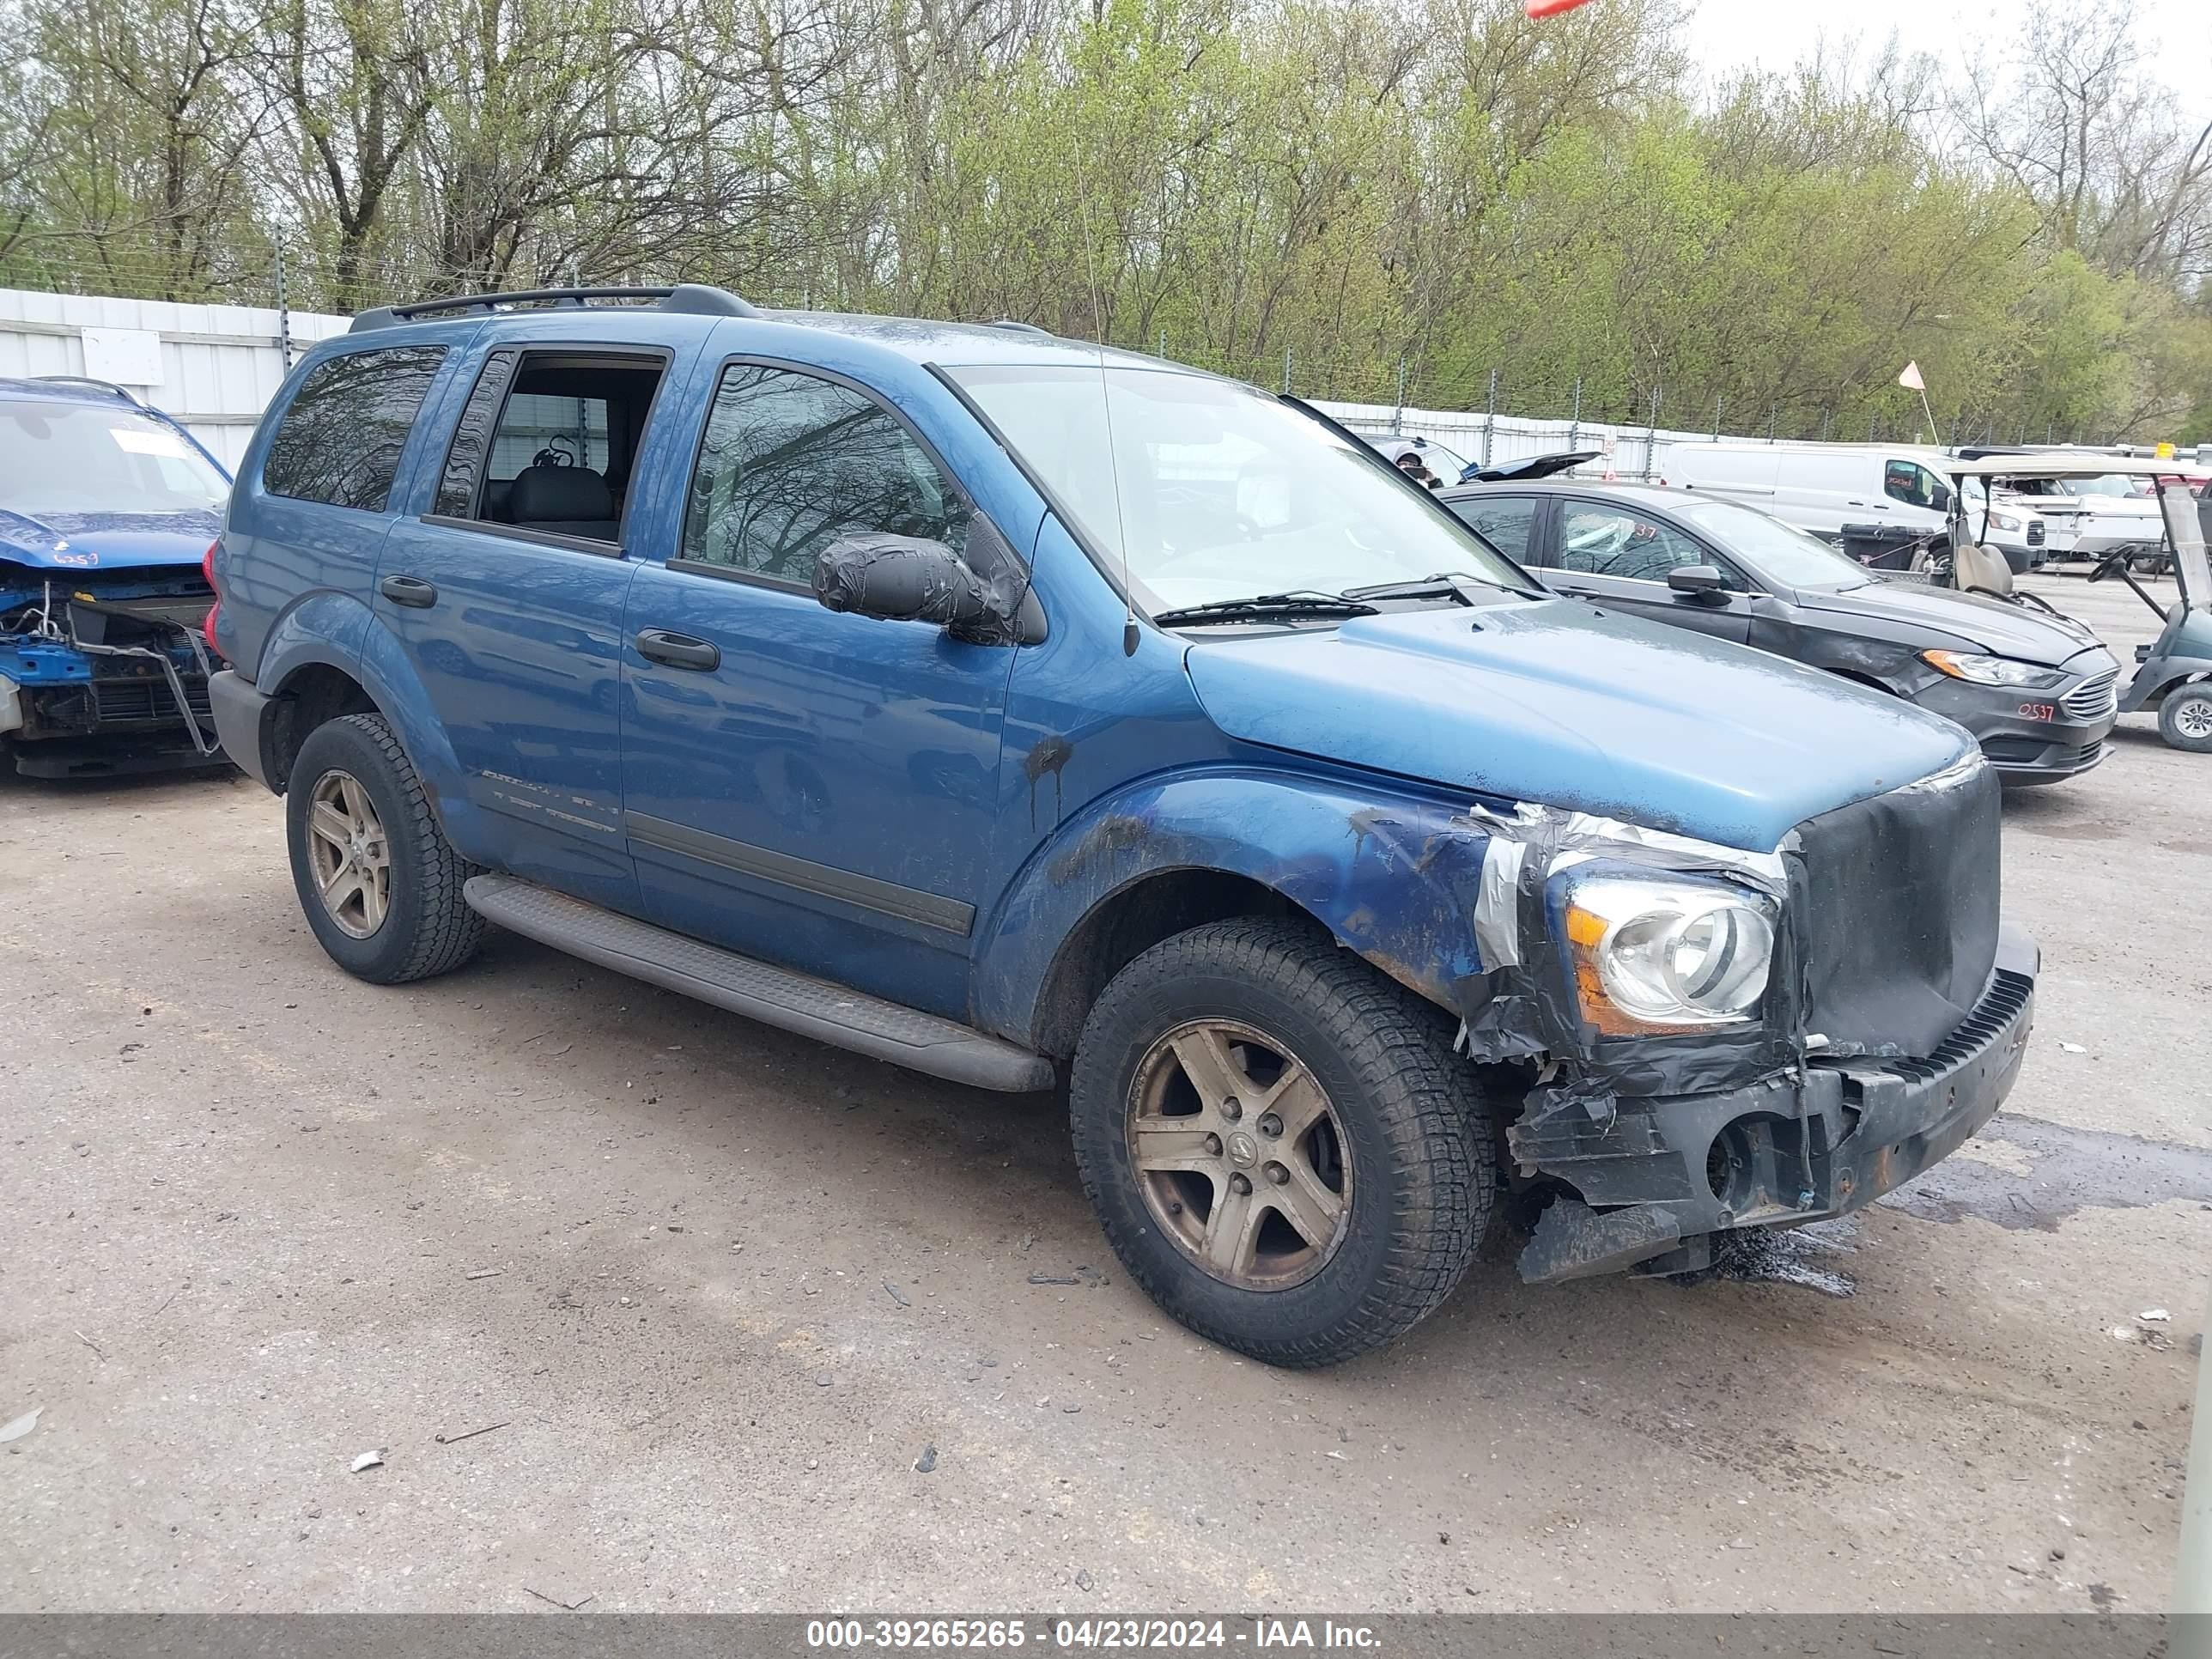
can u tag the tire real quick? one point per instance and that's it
(1403, 1129)
(412, 921)
(2184, 718)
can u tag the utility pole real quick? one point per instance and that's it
(1489, 417)
(1397, 412)
(283, 311)
(1575, 423)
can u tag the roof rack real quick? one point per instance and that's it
(692, 299)
(128, 396)
(1019, 328)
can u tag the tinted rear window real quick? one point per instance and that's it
(342, 438)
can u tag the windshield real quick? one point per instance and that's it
(2112, 484)
(1782, 553)
(1224, 493)
(81, 457)
(1445, 462)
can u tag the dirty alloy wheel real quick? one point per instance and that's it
(1280, 1145)
(2185, 719)
(348, 853)
(377, 880)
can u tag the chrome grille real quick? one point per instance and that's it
(2095, 697)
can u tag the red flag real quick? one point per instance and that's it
(1550, 7)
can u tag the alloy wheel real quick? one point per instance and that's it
(349, 853)
(1239, 1154)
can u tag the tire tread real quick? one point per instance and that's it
(1434, 1119)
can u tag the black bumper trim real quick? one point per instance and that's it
(241, 713)
(1781, 1153)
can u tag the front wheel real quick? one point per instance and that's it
(380, 883)
(1280, 1145)
(2185, 719)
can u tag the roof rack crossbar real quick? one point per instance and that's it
(694, 299)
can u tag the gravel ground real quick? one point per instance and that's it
(709, 1293)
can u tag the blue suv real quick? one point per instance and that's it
(1020, 712)
(108, 510)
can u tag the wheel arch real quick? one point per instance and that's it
(328, 657)
(1390, 876)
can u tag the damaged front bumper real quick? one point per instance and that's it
(1662, 1176)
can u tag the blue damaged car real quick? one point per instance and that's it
(1026, 713)
(108, 510)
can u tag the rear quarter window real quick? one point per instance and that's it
(341, 438)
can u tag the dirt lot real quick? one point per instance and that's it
(721, 1287)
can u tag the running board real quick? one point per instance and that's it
(775, 996)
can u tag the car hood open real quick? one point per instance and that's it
(107, 541)
(1553, 702)
(1959, 621)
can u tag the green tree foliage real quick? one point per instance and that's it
(1359, 197)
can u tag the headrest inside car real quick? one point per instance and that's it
(559, 495)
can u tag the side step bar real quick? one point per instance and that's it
(775, 996)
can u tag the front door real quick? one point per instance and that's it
(508, 600)
(1609, 552)
(810, 787)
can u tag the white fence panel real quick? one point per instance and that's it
(217, 366)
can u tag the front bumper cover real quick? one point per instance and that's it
(1664, 1175)
(2023, 746)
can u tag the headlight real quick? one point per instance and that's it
(1991, 671)
(1656, 954)
(2007, 521)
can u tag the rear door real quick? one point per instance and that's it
(1615, 553)
(508, 595)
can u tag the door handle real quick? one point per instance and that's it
(677, 650)
(408, 590)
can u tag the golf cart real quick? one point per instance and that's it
(2173, 673)
(1960, 557)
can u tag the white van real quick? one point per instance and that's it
(1823, 488)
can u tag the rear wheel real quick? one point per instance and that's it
(2185, 719)
(1280, 1145)
(377, 880)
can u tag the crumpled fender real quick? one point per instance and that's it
(1394, 876)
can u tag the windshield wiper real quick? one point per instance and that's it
(1444, 584)
(1261, 605)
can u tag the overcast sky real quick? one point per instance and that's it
(1727, 34)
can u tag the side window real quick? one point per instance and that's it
(791, 462)
(341, 439)
(1908, 482)
(547, 440)
(1607, 541)
(1505, 521)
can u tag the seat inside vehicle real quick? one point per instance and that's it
(569, 501)
(567, 439)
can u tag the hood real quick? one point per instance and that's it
(1954, 620)
(1552, 701)
(107, 541)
